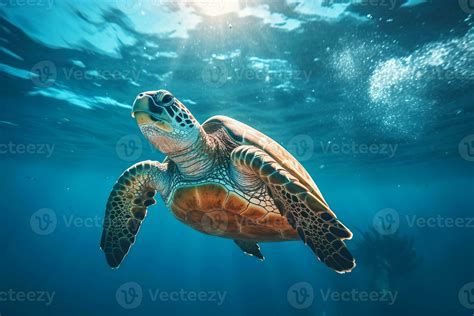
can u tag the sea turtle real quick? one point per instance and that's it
(222, 178)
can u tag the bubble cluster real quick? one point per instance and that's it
(345, 65)
(403, 90)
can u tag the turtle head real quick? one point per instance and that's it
(165, 121)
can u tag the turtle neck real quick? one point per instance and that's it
(196, 160)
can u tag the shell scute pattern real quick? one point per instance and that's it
(215, 205)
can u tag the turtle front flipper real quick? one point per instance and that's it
(127, 207)
(315, 223)
(251, 248)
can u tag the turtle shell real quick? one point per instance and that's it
(212, 209)
(246, 135)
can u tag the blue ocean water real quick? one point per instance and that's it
(375, 98)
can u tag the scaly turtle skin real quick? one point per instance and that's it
(223, 178)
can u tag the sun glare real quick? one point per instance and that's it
(216, 7)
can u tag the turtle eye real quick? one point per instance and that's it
(167, 98)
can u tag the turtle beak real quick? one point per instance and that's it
(141, 104)
(143, 114)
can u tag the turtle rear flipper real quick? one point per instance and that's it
(127, 207)
(251, 248)
(315, 223)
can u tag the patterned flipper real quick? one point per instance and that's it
(315, 223)
(127, 207)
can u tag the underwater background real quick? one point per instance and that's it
(374, 98)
